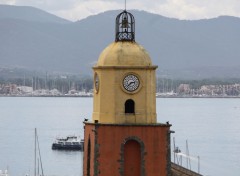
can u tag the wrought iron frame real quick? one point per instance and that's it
(125, 27)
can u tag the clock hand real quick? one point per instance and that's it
(132, 82)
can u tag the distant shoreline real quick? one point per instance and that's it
(72, 96)
(80, 96)
(198, 97)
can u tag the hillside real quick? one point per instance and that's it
(181, 48)
(28, 14)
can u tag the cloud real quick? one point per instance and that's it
(195, 9)
(86, 8)
(181, 9)
(7, 2)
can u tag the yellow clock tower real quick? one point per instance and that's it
(124, 79)
(124, 137)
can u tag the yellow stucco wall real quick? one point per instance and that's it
(109, 100)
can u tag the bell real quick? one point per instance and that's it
(125, 23)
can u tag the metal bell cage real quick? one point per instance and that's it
(125, 27)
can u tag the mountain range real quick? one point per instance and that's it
(33, 39)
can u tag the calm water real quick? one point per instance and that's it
(211, 126)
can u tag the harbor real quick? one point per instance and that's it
(123, 120)
(55, 117)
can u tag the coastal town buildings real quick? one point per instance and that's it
(183, 90)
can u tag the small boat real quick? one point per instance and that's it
(68, 143)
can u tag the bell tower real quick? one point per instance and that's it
(124, 79)
(124, 137)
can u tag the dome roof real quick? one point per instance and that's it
(124, 54)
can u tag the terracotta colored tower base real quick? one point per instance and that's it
(126, 150)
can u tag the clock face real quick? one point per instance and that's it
(96, 82)
(131, 82)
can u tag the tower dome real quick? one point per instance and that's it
(124, 53)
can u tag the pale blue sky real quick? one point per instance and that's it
(181, 9)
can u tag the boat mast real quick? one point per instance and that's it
(35, 155)
(35, 151)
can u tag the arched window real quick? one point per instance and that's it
(129, 106)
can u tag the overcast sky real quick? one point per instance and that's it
(181, 9)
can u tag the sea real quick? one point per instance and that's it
(206, 130)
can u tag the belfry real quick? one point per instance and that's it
(124, 138)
